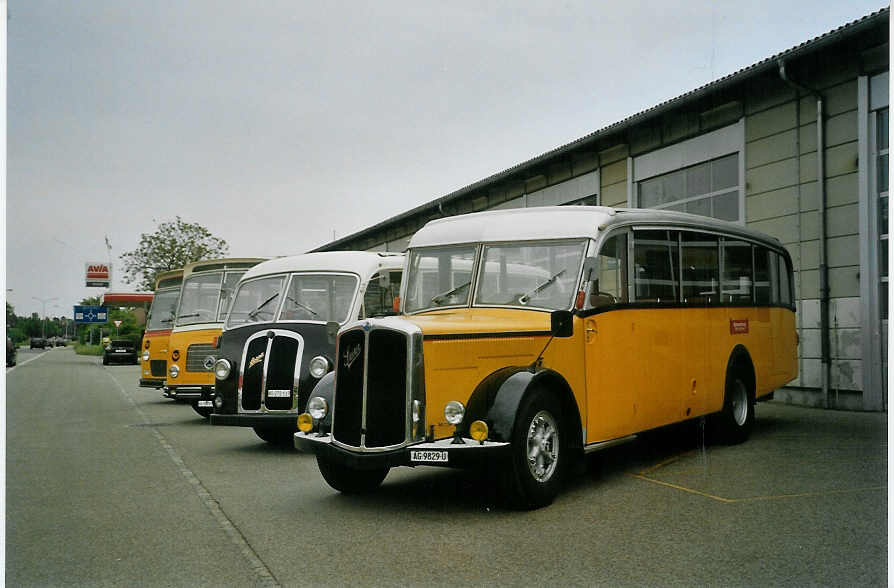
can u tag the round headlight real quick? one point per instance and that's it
(417, 411)
(174, 371)
(478, 431)
(318, 408)
(218, 402)
(318, 366)
(454, 412)
(145, 356)
(222, 369)
(305, 423)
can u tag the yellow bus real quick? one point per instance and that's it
(578, 328)
(204, 300)
(154, 361)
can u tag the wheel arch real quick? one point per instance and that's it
(740, 362)
(497, 398)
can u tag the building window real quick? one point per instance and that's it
(882, 209)
(710, 189)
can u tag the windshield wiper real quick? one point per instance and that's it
(436, 299)
(302, 305)
(253, 313)
(188, 315)
(523, 299)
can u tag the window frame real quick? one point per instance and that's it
(351, 307)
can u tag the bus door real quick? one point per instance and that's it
(656, 329)
(609, 346)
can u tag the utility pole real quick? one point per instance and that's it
(43, 324)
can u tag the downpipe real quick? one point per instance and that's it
(825, 347)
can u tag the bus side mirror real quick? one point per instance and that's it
(561, 323)
(331, 331)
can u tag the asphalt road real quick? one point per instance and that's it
(109, 484)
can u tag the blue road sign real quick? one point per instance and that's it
(91, 314)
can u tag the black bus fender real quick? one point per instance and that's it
(497, 398)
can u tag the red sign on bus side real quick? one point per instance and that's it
(738, 326)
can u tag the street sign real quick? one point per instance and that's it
(98, 274)
(117, 324)
(90, 314)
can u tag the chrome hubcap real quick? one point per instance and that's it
(543, 446)
(739, 403)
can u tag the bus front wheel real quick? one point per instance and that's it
(348, 480)
(733, 424)
(534, 475)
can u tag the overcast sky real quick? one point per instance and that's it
(279, 124)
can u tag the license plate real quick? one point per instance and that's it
(278, 393)
(121, 351)
(205, 404)
(429, 456)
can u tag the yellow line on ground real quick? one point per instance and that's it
(756, 498)
(667, 461)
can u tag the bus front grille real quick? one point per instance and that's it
(158, 368)
(196, 354)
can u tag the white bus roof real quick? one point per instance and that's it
(562, 222)
(362, 263)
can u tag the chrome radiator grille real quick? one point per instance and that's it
(379, 374)
(269, 371)
(196, 354)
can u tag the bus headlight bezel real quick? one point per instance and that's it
(222, 369)
(454, 411)
(174, 370)
(318, 367)
(318, 408)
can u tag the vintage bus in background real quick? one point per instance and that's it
(624, 321)
(154, 359)
(279, 338)
(204, 300)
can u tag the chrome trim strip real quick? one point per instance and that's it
(610, 443)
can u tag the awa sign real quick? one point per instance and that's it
(98, 274)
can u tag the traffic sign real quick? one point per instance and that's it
(91, 314)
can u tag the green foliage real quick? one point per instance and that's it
(171, 246)
(82, 349)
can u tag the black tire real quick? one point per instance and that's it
(734, 423)
(348, 480)
(281, 437)
(540, 453)
(105, 361)
(204, 412)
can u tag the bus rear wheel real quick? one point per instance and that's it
(534, 475)
(348, 480)
(734, 423)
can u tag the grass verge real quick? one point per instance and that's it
(85, 349)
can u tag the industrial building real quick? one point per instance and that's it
(795, 146)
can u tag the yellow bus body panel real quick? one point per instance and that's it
(158, 350)
(629, 369)
(181, 341)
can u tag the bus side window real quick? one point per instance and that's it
(700, 268)
(609, 286)
(379, 300)
(763, 277)
(738, 274)
(656, 259)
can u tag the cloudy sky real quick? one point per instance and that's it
(278, 125)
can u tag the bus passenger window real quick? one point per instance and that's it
(737, 272)
(655, 257)
(763, 280)
(610, 285)
(700, 268)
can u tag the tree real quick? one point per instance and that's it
(171, 246)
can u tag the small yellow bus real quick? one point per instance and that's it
(154, 360)
(577, 328)
(204, 301)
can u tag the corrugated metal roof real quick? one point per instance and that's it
(847, 30)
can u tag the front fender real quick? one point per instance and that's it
(325, 388)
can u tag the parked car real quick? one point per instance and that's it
(59, 342)
(10, 352)
(120, 351)
(38, 342)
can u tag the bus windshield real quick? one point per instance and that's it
(164, 305)
(201, 295)
(538, 275)
(439, 276)
(256, 301)
(319, 297)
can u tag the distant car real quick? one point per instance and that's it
(10, 352)
(38, 342)
(59, 342)
(120, 351)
